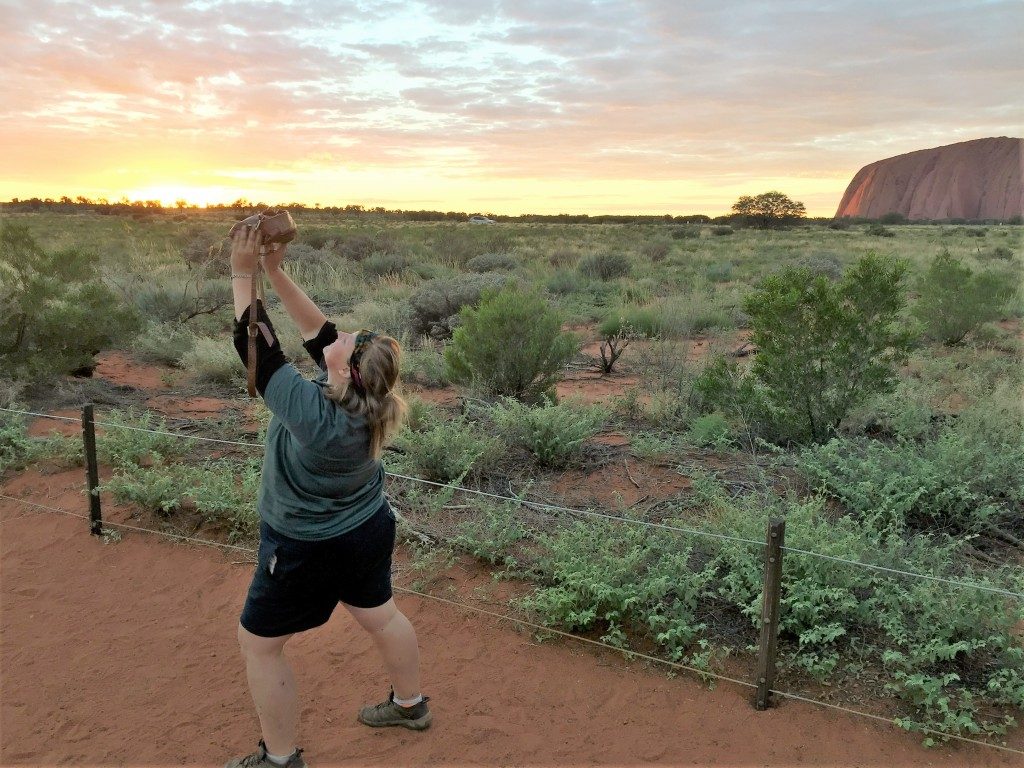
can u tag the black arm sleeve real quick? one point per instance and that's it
(269, 356)
(327, 335)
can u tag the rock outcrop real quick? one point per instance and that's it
(980, 179)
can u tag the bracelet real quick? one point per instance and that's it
(234, 276)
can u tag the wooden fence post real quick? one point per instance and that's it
(92, 470)
(770, 612)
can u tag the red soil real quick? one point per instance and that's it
(124, 653)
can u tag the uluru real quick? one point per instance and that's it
(979, 179)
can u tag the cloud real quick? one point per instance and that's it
(509, 89)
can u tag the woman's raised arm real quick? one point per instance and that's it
(300, 307)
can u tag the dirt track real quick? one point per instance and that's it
(124, 654)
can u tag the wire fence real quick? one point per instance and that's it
(571, 510)
(629, 654)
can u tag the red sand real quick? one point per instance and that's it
(124, 654)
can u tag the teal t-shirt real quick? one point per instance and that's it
(318, 478)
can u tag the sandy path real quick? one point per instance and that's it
(124, 654)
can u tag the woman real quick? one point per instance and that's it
(326, 531)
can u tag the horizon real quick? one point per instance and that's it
(644, 108)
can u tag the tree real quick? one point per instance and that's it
(770, 210)
(55, 313)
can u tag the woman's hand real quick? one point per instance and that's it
(245, 249)
(274, 256)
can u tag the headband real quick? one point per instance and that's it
(363, 340)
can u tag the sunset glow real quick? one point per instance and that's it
(645, 107)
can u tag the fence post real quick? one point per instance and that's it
(92, 470)
(770, 612)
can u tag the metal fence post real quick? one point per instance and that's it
(770, 612)
(92, 470)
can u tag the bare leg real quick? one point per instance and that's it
(395, 637)
(272, 686)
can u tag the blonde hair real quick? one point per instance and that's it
(378, 400)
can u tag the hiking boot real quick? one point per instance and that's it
(259, 759)
(416, 717)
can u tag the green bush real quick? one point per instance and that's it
(656, 250)
(712, 430)
(564, 282)
(164, 343)
(491, 262)
(55, 312)
(178, 303)
(553, 433)
(379, 264)
(448, 450)
(825, 347)
(130, 439)
(360, 246)
(605, 266)
(953, 300)
(719, 272)
(492, 533)
(424, 365)
(878, 230)
(436, 304)
(214, 361)
(968, 479)
(721, 231)
(511, 345)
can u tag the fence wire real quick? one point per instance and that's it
(571, 510)
(538, 627)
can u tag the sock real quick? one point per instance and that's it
(281, 760)
(409, 702)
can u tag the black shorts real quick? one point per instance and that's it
(298, 584)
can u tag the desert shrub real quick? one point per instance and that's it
(165, 343)
(359, 246)
(656, 250)
(379, 264)
(563, 257)
(129, 439)
(457, 245)
(840, 224)
(205, 253)
(639, 292)
(492, 533)
(448, 450)
(828, 264)
(511, 345)
(419, 414)
(953, 300)
(967, 479)
(436, 304)
(946, 650)
(712, 430)
(553, 433)
(1001, 252)
(893, 217)
(394, 318)
(565, 282)
(220, 490)
(686, 232)
(605, 266)
(491, 262)
(305, 253)
(14, 441)
(317, 239)
(825, 347)
(722, 230)
(719, 272)
(424, 365)
(974, 232)
(618, 579)
(55, 311)
(184, 301)
(878, 230)
(214, 361)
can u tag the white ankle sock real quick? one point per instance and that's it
(409, 702)
(281, 760)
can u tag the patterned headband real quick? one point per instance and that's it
(363, 340)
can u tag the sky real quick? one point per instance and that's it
(501, 106)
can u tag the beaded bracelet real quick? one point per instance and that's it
(234, 276)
